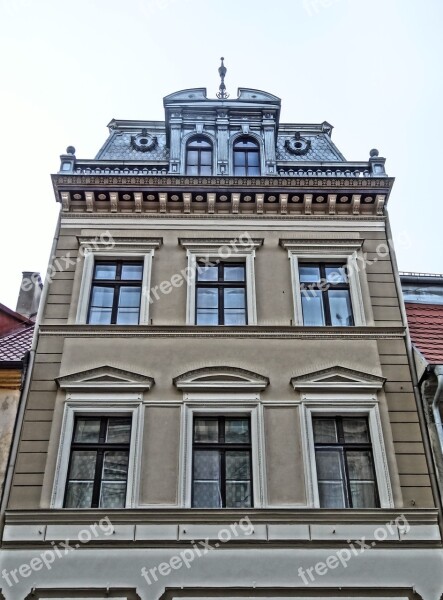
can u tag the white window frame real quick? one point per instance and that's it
(219, 404)
(116, 249)
(347, 251)
(344, 405)
(101, 405)
(222, 250)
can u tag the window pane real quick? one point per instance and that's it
(336, 274)
(207, 273)
(192, 158)
(364, 494)
(360, 464)
(237, 431)
(127, 316)
(239, 159)
(236, 273)
(207, 465)
(206, 494)
(205, 430)
(238, 494)
(325, 431)
(356, 430)
(238, 465)
(82, 464)
(207, 297)
(254, 171)
(115, 465)
(206, 170)
(113, 495)
(119, 431)
(329, 465)
(190, 170)
(100, 316)
(309, 274)
(206, 158)
(312, 305)
(239, 171)
(102, 296)
(105, 271)
(132, 272)
(79, 494)
(331, 495)
(129, 297)
(87, 431)
(207, 316)
(253, 159)
(234, 298)
(340, 307)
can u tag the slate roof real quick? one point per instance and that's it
(322, 149)
(426, 327)
(15, 345)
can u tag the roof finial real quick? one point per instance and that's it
(222, 72)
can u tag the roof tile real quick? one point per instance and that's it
(426, 328)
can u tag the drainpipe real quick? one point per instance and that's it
(27, 383)
(417, 393)
(438, 398)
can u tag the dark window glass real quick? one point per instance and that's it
(221, 294)
(345, 464)
(246, 157)
(98, 466)
(199, 156)
(325, 295)
(222, 469)
(116, 293)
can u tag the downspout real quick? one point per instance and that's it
(417, 393)
(27, 383)
(438, 398)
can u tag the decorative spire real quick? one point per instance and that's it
(222, 72)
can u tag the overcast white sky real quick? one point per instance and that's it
(372, 68)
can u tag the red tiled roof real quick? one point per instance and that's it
(14, 346)
(426, 327)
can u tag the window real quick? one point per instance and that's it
(246, 157)
(98, 465)
(344, 462)
(115, 293)
(325, 294)
(199, 157)
(222, 463)
(220, 294)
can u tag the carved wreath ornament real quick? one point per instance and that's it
(144, 141)
(298, 145)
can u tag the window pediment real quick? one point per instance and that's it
(105, 377)
(221, 378)
(337, 377)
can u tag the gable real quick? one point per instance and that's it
(337, 377)
(105, 377)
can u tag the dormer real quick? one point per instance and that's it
(222, 136)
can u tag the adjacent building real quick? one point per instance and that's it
(221, 402)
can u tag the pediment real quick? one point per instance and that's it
(105, 377)
(221, 378)
(337, 377)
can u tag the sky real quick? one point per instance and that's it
(372, 68)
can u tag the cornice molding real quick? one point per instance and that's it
(220, 378)
(337, 378)
(105, 378)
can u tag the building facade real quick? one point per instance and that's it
(221, 402)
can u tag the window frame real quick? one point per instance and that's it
(347, 405)
(209, 404)
(211, 251)
(189, 142)
(322, 265)
(99, 405)
(100, 447)
(347, 251)
(139, 250)
(222, 447)
(115, 284)
(344, 447)
(256, 150)
(220, 285)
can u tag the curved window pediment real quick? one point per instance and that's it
(221, 378)
(246, 156)
(199, 154)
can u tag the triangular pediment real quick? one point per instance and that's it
(337, 377)
(221, 378)
(105, 377)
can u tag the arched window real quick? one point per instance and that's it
(246, 157)
(199, 156)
